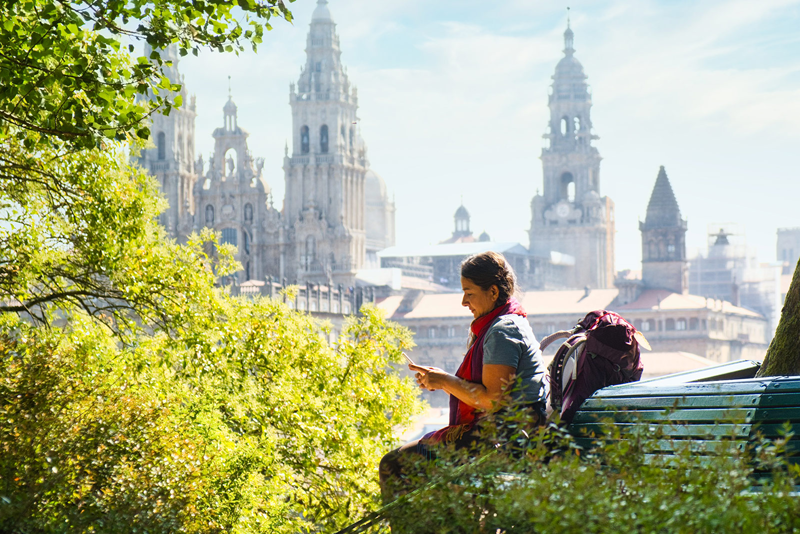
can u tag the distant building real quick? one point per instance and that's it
(788, 248)
(730, 271)
(336, 213)
(441, 264)
(570, 216)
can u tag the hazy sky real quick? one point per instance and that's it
(453, 101)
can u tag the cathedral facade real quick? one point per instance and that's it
(336, 213)
(570, 216)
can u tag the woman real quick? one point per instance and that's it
(502, 354)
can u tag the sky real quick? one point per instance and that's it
(453, 103)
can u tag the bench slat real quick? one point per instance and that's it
(743, 415)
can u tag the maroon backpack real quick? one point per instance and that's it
(602, 350)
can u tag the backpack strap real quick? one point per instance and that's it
(552, 337)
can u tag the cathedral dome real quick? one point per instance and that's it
(375, 187)
(462, 213)
(229, 106)
(322, 13)
(569, 66)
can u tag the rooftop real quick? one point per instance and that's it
(452, 249)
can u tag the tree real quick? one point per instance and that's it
(75, 220)
(783, 355)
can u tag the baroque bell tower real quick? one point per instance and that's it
(570, 216)
(324, 208)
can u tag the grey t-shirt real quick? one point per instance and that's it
(510, 341)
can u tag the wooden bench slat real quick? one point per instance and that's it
(743, 415)
(673, 401)
(700, 431)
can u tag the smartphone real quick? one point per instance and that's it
(409, 360)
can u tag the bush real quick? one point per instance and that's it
(552, 486)
(250, 422)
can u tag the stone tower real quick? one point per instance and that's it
(664, 240)
(171, 160)
(233, 199)
(571, 216)
(324, 207)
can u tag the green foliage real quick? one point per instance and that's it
(67, 79)
(550, 485)
(76, 222)
(247, 420)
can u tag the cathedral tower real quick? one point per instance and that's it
(233, 197)
(171, 160)
(571, 216)
(664, 240)
(324, 207)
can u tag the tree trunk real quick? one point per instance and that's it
(783, 355)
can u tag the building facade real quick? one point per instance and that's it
(337, 212)
(171, 155)
(570, 216)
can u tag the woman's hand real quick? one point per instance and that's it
(430, 378)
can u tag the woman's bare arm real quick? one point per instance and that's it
(485, 396)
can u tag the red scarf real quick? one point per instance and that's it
(462, 415)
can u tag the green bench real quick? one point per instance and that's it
(704, 411)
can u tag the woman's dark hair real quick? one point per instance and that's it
(489, 269)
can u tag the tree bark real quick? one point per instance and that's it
(783, 355)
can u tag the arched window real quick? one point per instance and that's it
(248, 213)
(323, 139)
(209, 215)
(247, 270)
(304, 141)
(694, 324)
(576, 122)
(246, 237)
(670, 324)
(229, 236)
(564, 126)
(161, 143)
(680, 324)
(568, 187)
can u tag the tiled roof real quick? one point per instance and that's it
(662, 299)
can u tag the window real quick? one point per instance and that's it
(247, 268)
(568, 186)
(564, 126)
(318, 66)
(694, 323)
(209, 215)
(637, 324)
(323, 139)
(246, 237)
(161, 143)
(248, 213)
(681, 324)
(670, 324)
(649, 325)
(577, 125)
(432, 332)
(304, 141)
(311, 248)
(352, 136)
(229, 236)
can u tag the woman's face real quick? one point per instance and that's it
(479, 301)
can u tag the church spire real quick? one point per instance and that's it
(568, 38)
(662, 210)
